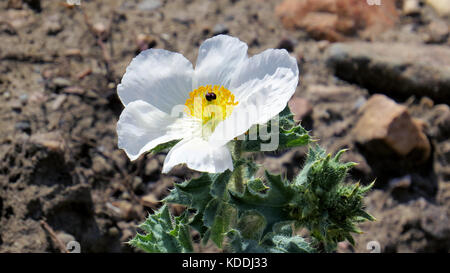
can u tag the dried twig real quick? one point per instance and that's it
(54, 238)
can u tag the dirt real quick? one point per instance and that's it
(60, 66)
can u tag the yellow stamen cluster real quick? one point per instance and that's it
(210, 112)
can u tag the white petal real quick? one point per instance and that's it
(200, 156)
(258, 67)
(218, 58)
(159, 77)
(267, 82)
(142, 127)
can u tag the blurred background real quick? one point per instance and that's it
(375, 78)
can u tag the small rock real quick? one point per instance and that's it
(137, 184)
(59, 82)
(403, 182)
(152, 166)
(145, 41)
(100, 165)
(438, 31)
(119, 159)
(300, 107)
(52, 141)
(385, 132)
(113, 232)
(23, 98)
(323, 44)
(60, 99)
(411, 7)
(220, 29)
(124, 209)
(150, 200)
(335, 19)
(72, 52)
(149, 5)
(99, 28)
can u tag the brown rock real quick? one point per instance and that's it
(124, 209)
(438, 31)
(100, 165)
(52, 141)
(399, 69)
(150, 200)
(334, 19)
(152, 166)
(391, 127)
(300, 107)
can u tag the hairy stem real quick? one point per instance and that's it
(237, 177)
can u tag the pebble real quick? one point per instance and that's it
(386, 128)
(149, 5)
(220, 29)
(60, 82)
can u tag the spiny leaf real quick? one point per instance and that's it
(219, 217)
(280, 240)
(272, 205)
(162, 234)
(289, 134)
(206, 194)
(251, 224)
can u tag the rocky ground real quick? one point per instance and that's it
(374, 79)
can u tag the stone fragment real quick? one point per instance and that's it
(334, 20)
(397, 69)
(386, 128)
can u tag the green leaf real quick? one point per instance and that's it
(164, 235)
(195, 194)
(238, 244)
(164, 146)
(251, 225)
(206, 194)
(290, 134)
(272, 205)
(281, 240)
(256, 185)
(220, 217)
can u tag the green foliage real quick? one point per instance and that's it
(280, 240)
(164, 146)
(206, 194)
(163, 234)
(324, 204)
(317, 199)
(273, 204)
(290, 134)
(262, 214)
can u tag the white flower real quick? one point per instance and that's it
(166, 99)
